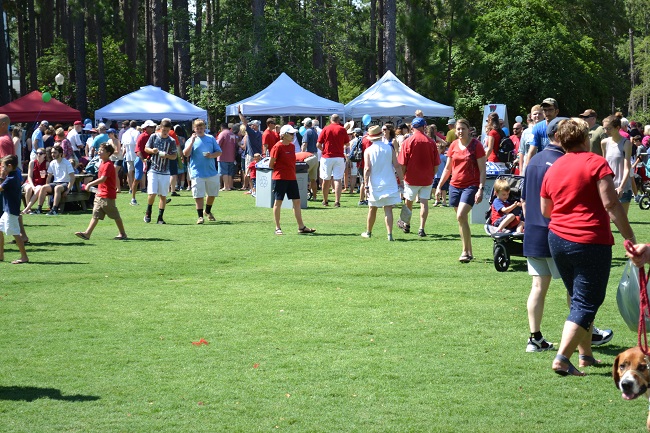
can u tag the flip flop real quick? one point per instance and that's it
(568, 371)
(587, 361)
(465, 258)
(19, 262)
(82, 236)
(121, 238)
(305, 230)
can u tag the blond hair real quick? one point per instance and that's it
(501, 185)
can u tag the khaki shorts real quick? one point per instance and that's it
(542, 267)
(105, 207)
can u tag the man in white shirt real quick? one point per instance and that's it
(74, 138)
(128, 140)
(60, 178)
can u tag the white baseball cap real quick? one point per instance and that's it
(287, 129)
(148, 123)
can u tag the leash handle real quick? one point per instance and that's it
(644, 303)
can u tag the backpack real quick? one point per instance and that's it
(356, 152)
(506, 148)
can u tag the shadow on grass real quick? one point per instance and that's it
(130, 239)
(50, 262)
(31, 393)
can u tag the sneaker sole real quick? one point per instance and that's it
(536, 349)
(603, 341)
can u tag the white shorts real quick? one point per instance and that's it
(203, 185)
(130, 166)
(9, 224)
(354, 171)
(412, 191)
(332, 168)
(542, 267)
(158, 183)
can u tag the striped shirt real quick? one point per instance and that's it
(159, 164)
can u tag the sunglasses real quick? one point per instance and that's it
(40, 153)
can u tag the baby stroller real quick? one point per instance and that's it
(506, 244)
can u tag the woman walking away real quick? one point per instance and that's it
(466, 165)
(579, 197)
(380, 166)
(617, 150)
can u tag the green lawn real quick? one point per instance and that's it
(307, 333)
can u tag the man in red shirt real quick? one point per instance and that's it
(148, 127)
(6, 143)
(331, 142)
(270, 137)
(420, 159)
(106, 194)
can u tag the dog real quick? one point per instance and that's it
(631, 375)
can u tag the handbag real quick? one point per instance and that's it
(627, 297)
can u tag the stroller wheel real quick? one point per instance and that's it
(644, 203)
(501, 258)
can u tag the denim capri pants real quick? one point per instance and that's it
(584, 268)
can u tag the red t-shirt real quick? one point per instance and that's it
(334, 138)
(494, 157)
(108, 188)
(141, 143)
(464, 165)
(285, 161)
(252, 170)
(578, 213)
(6, 146)
(419, 155)
(270, 138)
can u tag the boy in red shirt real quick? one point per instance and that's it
(252, 172)
(106, 194)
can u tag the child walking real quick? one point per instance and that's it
(10, 180)
(106, 193)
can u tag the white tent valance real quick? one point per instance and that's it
(284, 97)
(153, 103)
(389, 97)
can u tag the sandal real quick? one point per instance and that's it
(587, 361)
(305, 230)
(82, 235)
(19, 262)
(278, 232)
(465, 258)
(325, 203)
(568, 371)
(120, 238)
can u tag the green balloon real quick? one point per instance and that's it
(47, 97)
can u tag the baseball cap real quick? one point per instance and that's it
(78, 122)
(451, 121)
(111, 131)
(45, 123)
(359, 131)
(256, 122)
(287, 129)
(588, 113)
(101, 126)
(419, 122)
(148, 123)
(551, 129)
(549, 101)
(306, 119)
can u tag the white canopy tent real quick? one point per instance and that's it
(153, 103)
(389, 97)
(284, 97)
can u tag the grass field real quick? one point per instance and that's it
(307, 333)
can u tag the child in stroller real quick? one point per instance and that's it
(504, 222)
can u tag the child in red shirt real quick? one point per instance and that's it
(505, 215)
(252, 173)
(106, 194)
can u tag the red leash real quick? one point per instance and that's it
(644, 304)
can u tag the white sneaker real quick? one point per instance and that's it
(601, 336)
(366, 235)
(538, 345)
(134, 202)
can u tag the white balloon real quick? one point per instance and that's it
(518, 119)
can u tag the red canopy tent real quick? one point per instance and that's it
(31, 108)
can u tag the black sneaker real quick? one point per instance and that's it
(601, 336)
(161, 222)
(421, 233)
(168, 200)
(538, 345)
(147, 218)
(52, 213)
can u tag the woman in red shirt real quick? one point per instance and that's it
(466, 165)
(283, 163)
(493, 138)
(578, 195)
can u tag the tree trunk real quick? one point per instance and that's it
(4, 83)
(259, 65)
(46, 26)
(164, 50)
(632, 102)
(390, 22)
(198, 37)
(31, 47)
(68, 29)
(158, 44)
(22, 57)
(80, 57)
(317, 56)
(130, 9)
(370, 68)
(450, 42)
(148, 75)
(380, 38)
(101, 76)
(209, 42)
(332, 77)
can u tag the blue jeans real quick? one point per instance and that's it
(584, 268)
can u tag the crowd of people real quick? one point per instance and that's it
(578, 177)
